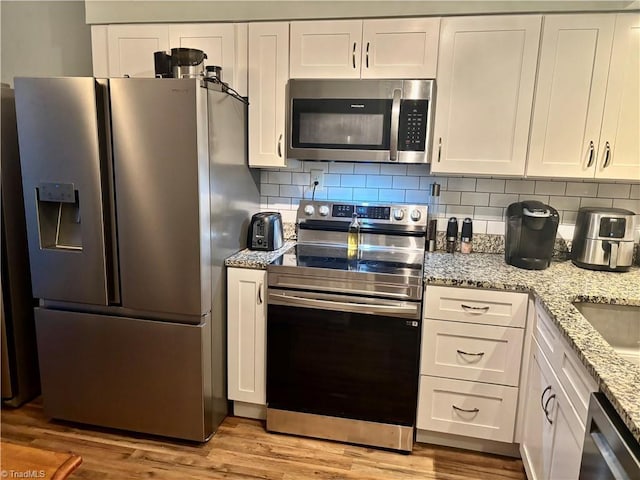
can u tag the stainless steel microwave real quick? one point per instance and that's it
(360, 120)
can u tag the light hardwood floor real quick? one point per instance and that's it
(242, 449)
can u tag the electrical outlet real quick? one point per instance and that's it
(317, 176)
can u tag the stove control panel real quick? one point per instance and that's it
(415, 215)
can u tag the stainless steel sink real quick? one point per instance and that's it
(618, 324)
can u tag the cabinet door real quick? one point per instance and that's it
(217, 40)
(572, 81)
(326, 49)
(400, 48)
(268, 75)
(131, 49)
(537, 434)
(621, 120)
(486, 76)
(246, 340)
(100, 50)
(566, 444)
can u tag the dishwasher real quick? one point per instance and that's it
(610, 451)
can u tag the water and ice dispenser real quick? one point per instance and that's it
(59, 222)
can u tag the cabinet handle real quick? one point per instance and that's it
(280, 146)
(260, 293)
(542, 397)
(475, 310)
(439, 148)
(462, 352)
(353, 55)
(607, 155)
(367, 56)
(546, 406)
(591, 154)
(473, 410)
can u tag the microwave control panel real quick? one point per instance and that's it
(412, 132)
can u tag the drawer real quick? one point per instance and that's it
(471, 409)
(474, 305)
(484, 353)
(546, 333)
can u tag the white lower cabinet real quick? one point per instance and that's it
(470, 362)
(553, 423)
(246, 335)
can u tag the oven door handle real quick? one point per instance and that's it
(344, 306)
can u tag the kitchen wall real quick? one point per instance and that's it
(482, 199)
(44, 38)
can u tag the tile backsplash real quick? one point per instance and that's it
(482, 199)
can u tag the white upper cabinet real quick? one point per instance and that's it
(131, 47)
(621, 118)
(486, 77)
(268, 76)
(405, 48)
(586, 111)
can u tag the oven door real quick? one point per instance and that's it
(343, 356)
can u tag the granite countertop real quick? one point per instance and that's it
(556, 288)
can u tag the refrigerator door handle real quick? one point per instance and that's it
(108, 193)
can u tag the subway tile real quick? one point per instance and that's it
(461, 184)
(387, 195)
(294, 165)
(580, 189)
(550, 188)
(264, 176)
(442, 224)
(633, 205)
(320, 194)
(489, 213)
(300, 178)
(565, 232)
(450, 198)
(264, 203)
(426, 182)
(519, 186)
(365, 194)
(331, 180)
(340, 167)
(502, 199)
(418, 169)
(596, 202)
(280, 177)
(291, 190)
(442, 181)
(475, 199)
(393, 169)
(490, 185)
(568, 217)
(495, 228)
(419, 197)
(565, 203)
(353, 180)
(540, 198)
(310, 165)
(339, 193)
(367, 168)
(479, 226)
(405, 182)
(379, 181)
(635, 192)
(269, 190)
(614, 190)
(279, 203)
(295, 203)
(460, 211)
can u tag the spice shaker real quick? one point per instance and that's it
(465, 236)
(452, 234)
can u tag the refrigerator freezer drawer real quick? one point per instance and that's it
(140, 375)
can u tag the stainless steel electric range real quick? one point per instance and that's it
(343, 331)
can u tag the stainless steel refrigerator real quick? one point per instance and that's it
(135, 192)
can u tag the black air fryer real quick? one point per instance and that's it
(531, 228)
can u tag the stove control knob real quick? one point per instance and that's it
(323, 210)
(415, 215)
(309, 210)
(398, 214)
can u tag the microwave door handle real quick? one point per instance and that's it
(395, 123)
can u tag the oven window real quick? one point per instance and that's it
(341, 124)
(343, 364)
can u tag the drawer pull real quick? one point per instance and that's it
(462, 352)
(475, 310)
(473, 410)
(546, 407)
(544, 392)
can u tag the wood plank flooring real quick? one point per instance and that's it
(242, 450)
